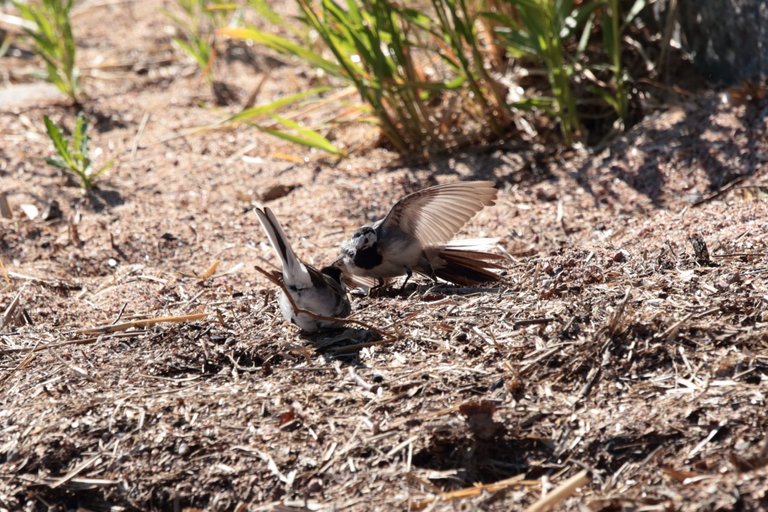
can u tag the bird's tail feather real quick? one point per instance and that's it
(472, 244)
(468, 267)
(294, 271)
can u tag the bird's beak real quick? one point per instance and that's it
(359, 243)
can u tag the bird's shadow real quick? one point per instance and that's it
(427, 290)
(343, 341)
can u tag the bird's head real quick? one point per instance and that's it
(333, 271)
(364, 238)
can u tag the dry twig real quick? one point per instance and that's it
(146, 322)
(561, 492)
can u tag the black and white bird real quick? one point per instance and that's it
(318, 291)
(416, 234)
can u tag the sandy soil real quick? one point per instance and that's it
(610, 346)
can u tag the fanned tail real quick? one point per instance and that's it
(467, 267)
(472, 244)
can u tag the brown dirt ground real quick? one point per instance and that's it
(608, 347)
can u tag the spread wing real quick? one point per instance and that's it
(434, 215)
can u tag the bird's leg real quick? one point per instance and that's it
(376, 290)
(408, 276)
(433, 275)
(377, 286)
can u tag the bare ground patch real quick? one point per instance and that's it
(610, 346)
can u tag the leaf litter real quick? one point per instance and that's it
(615, 368)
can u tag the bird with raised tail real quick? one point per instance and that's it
(317, 291)
(415, 236)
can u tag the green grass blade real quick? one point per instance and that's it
(57, 163)
(281, 45)
(44, 27)
(193, 51)
(607, 97)
(610, 37)
(340, 47)
(303, 135)
(584, 39)
(541, 102)
(62, 148)
(45, 47)
(53, 76)
(178, 21)
(251, 114)
(80, 135)
(636, 8)
(104, 168)
(264, 10)
(53, 41)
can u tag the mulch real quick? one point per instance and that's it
(621, 364)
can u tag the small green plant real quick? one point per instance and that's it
(269, 117)
(455, 27)
(198, 24)
(5, 44)
(371, 49)
(437, 75)
(539, 31)
(557, 34)
(54, 41)
(613, 27)
(74, 156)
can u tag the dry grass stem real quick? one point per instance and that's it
(145, 322)
(561, 492)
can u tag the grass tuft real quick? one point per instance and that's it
(54, 41)
(198, 22)
(447, 73)
(73, 155)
